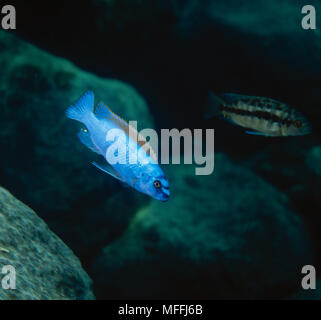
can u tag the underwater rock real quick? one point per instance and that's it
(314, 160)
(45, 267)
(45, 165)
(227, 235)
(292, 166)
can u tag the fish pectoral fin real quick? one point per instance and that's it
(131, 184)
(105, 167)
(255, 133)
(85, 139)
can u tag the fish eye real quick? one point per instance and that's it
(157, 184)
(298, 123)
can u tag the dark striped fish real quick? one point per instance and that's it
(264, 116)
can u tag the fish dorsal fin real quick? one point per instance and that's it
(234, 97)
(103, 112)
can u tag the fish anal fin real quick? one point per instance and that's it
(256, 133)
(105, 167)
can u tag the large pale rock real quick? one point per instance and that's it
(45, 267)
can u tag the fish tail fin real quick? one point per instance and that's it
(212, 105)
(83, 106)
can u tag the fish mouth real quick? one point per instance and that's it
(165, 194)
(165, 199)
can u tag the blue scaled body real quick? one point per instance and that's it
(144, 174)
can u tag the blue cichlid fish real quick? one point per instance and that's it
(145, 175)
(263, 116)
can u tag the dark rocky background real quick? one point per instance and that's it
(155, 61)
